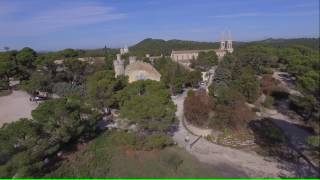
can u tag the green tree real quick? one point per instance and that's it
(205, 61)
(102, 87)
(26, 57)
(6, 68)
(38, 82)
(147, 104)
(247, 84)
(69, 53)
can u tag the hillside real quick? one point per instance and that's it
(159, 46)
(280, 43)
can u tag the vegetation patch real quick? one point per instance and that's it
(102, 158)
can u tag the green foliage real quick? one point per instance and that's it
(109, 58)
(205, 61)
(268, 103)
(26, 57)
(24, 144)
(247, 84)
(230, 110)
(308, 107)
(65, 119)
(6, 69)
(283, 43)
(69, 53)
(258, 57)
(102, 87)
(37, 82)
(102, 158)
(157, 141)
(124, 138)
(75, 70)
(314, 141)
(17, 64)
(64, 89)
(136, 100)
(309, 83)
(190, 93)
(159, 46)
(175, 76)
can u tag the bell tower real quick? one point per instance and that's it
(222, 42)
(118, 66)
(229, 43)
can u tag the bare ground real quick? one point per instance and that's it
(15, 106)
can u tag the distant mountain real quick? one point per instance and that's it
(159, 46)
(280, 43)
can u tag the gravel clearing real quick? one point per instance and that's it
(14, 106)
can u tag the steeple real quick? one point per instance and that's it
(222, 42)
(229, 43)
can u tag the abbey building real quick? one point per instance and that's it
(184, 57)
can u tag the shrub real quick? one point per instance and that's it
(268, 102)
(124, 138)
(314, 141)
(157, 142)
(197, 108)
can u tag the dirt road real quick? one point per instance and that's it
(231, 162)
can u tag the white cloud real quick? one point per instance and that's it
(55, 19)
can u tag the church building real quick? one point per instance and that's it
(184, 57)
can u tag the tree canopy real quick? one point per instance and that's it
(147, 104)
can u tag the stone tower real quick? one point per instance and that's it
(132, 59)
(222, 42)
(229, 43)
(118, 65)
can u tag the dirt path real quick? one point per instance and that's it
(15, 106)
(235, 163)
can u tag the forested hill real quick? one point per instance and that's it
(280, 43)
(159, 46)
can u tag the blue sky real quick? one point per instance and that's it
(59, 24)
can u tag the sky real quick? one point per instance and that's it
(85, 24)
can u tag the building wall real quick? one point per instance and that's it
(118, 67)
(141, 75)
(184, 57)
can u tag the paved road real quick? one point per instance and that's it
(230, 162)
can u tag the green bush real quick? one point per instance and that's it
(268, 103)
(190, 93)
(124, 138)
(314, 141)
(157, 142)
